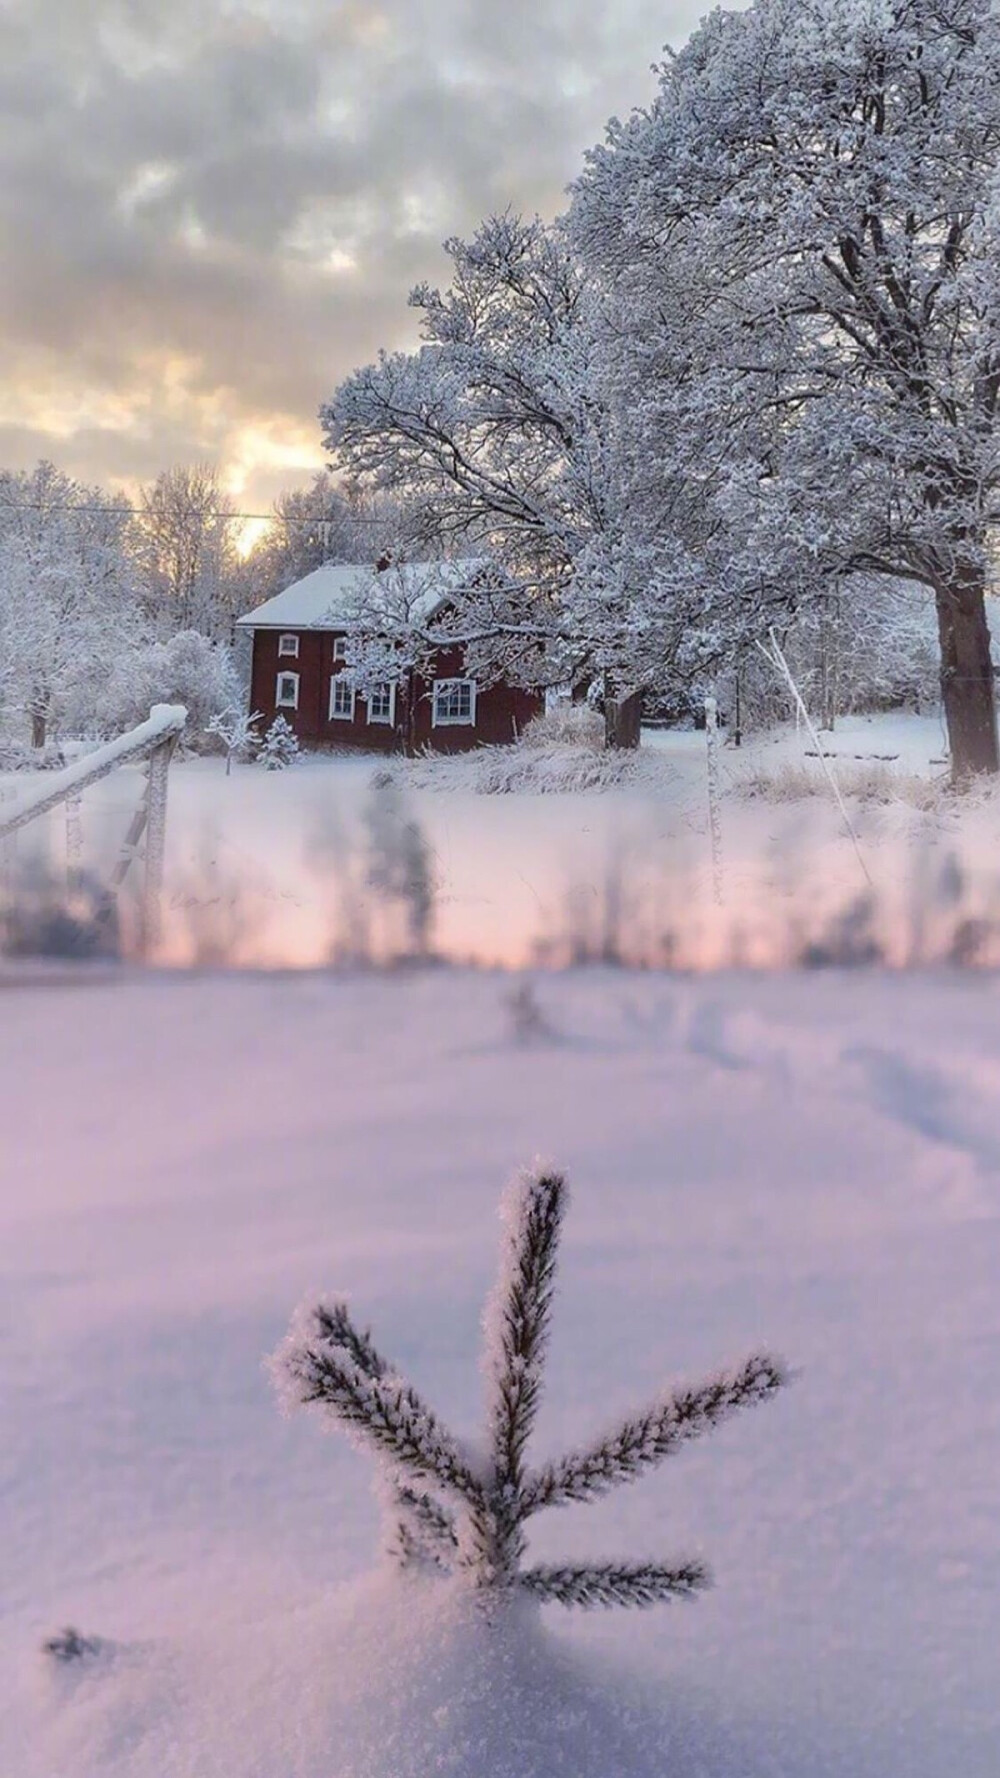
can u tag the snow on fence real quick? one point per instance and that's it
(154, 740)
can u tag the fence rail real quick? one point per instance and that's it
(154, 740)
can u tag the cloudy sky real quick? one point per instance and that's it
(210, 210)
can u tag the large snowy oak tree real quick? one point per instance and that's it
(495, 437)
(801, 235)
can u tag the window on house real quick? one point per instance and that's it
(341, 698)
(288, 645)
(286, 696)
(454, 702)
(382, 703)
(340, 648)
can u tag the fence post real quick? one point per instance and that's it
(155, 844)
(714, 820)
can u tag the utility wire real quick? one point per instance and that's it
(269, 518)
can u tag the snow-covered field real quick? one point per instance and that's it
(272, 869)
(810, 1162)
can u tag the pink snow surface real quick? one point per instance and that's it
(810, 1163)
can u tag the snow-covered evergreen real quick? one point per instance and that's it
(459, 1510)
(279, 746)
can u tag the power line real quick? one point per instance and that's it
(269, 518)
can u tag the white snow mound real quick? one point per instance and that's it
(393, 1677)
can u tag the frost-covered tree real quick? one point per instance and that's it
(867, 644)
(185, 550)
(236, 728)
(802, 238)
(495, 436)
(186, 669)
(279, 747)
(68, 611)
(322, 523)
(458, 1510)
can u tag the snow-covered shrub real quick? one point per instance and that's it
(19, 756)
(188, 669)
(874, 782)
(559, 752)
(558, 770)
(452, 1513)
(566, 725)
(279, 747)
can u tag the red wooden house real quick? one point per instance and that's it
(300, 667)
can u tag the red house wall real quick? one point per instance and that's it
(501, 710)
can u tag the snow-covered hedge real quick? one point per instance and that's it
(566, 725)
(560, 752)
(528, 768)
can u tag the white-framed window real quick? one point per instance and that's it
(286, 696)
(454, 702)
(288, 647)
(341, 697)
(340, 648)
(382, 703)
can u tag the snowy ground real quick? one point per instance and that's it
(270, 868)
(811, 1162)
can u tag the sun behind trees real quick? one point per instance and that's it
(456, 1511)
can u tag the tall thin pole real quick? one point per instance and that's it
(714, 819)
(155, 846)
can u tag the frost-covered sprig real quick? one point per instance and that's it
(479, 1527)
(645, 1439)
(424, 1530)
(421, 1531)
(516, 1323)
(617, 1583)
(516, 1328)
(382, 1412)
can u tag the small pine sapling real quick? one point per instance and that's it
(69, 1645)
(280, 747)
(457, 1512)
(528, 1023)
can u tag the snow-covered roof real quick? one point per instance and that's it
(335, 596)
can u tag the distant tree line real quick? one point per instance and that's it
(108, 605)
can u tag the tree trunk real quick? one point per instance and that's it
(622, 719)
(967, 675)
(38, 728)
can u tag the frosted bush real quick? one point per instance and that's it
(566, 725)
(553, 771)
(188, 669)
(531, 770)
(867, 783)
